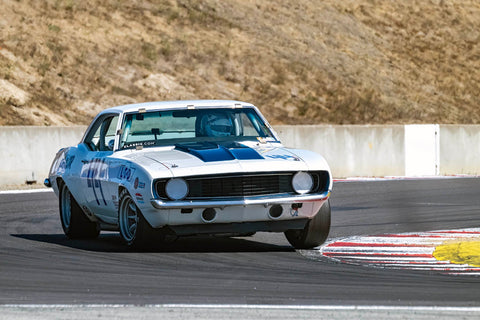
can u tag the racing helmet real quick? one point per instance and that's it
(217, 124)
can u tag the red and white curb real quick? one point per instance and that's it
(412, 251)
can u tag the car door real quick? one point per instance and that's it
(95, 173)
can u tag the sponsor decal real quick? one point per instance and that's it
(139, 197)
(135, 184)
(125, 173)
(140, 144)
(138, 185)
(294, 209)
(294, 212)
(283, 157)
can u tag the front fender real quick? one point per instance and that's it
(58, 168)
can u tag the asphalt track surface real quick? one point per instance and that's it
(38, 265)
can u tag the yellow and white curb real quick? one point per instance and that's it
(446, 251)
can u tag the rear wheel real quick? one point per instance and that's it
(74, 222)
(315, 232)
(134, 229)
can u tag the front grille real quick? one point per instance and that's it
(239, 186)
(243, 185)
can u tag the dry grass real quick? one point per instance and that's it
(362, 61)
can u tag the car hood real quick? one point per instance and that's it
(210, 158)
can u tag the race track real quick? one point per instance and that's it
(38, 265)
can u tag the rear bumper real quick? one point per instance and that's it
(258, 200)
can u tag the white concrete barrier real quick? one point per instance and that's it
(351, 150)
(422, 150)
(391, 150)
(26, 153)
(459, 149)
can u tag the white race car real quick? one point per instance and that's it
(178, 168)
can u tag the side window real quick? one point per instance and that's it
(93, 144)
(110, 132)
(102, 135)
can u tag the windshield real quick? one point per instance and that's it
(161, 128)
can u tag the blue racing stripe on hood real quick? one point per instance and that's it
(209, 152)
(245, 153)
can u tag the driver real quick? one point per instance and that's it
(217, 124)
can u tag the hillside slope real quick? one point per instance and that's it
(339, 62)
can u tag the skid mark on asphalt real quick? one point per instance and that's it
(447, 251)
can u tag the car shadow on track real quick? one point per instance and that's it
(207, 244)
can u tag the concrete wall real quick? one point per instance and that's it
(459, 149)
(422, 155)
(352, 150)
(26, 153)
(372, 150)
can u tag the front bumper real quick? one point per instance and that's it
(47, 183)
(258, 200)
(238, 227)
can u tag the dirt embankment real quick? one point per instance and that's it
(352, 61)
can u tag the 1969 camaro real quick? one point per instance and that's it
(178, 168)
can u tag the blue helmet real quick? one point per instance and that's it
(217, 124)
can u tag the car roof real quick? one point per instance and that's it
(180, 104)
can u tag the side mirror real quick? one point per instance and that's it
(111, 143)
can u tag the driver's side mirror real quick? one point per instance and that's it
(111, 143)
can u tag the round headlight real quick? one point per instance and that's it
(176, 189)
(302, 182)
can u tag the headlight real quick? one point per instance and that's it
(176, 189)
(302, 182)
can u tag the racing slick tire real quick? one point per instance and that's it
(74, 222)
(134, 229)
(315, 232)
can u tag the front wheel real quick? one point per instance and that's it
(134, 229)
(315, 232)
(74, 222)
